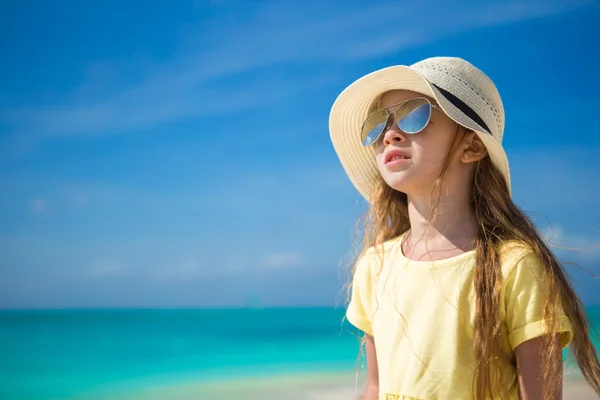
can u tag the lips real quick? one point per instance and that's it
(396, 155)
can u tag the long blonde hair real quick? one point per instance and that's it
(498, 220)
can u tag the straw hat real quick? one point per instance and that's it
(463, 92)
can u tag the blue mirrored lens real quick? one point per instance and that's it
(373, 127)
(373, 133)
(416, 119)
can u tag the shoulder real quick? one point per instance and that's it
(515, 255)
(523, 272)
(367, 262)
(371, 260)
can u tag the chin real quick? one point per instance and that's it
(409, 183)
(399, 183)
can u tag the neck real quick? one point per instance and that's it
(454, 223)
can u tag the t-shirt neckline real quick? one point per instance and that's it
(397, 249)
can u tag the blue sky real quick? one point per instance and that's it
(179, 155)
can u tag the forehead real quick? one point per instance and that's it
(396, 96)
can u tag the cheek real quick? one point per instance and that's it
(379, 160)
(432, 149)
(425, 152)
(379, 157)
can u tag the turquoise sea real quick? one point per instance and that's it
(79, 354)
(172, 354)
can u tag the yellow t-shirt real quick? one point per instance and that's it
(421, 315)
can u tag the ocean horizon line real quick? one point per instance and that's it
(175, 308)
(191, 307)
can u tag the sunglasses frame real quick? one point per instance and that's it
(396, 121)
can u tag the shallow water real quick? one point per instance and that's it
(179, 354)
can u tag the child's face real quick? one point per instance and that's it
(425, 151)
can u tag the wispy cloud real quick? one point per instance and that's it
(184, 238)
(584, 245)
(412, 26)
(38, 205)
(190, 85)
(557, 179)
(141, 220)
(283, 260)
(79, 200)
(106, 268)
(506, 12)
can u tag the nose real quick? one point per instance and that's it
(393, 134)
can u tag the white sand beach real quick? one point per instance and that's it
(578, 389)
(325, 386)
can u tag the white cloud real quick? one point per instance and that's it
(106, 268)
(282, 260)
(80, 200)
(188, 267)
(38, 206)
(584, 246)
(171, 268)
(505, 12)
(81, 195)
(543, 182)
(442, 21)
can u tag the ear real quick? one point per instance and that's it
(471, 148)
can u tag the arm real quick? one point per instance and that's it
(529, 370)
(372, 389)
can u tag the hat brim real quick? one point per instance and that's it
(351, 108)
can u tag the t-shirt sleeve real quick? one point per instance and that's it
(525, 294)
(359, 312)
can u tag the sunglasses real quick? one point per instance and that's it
(411, 116)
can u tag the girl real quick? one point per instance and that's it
(456, 292)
